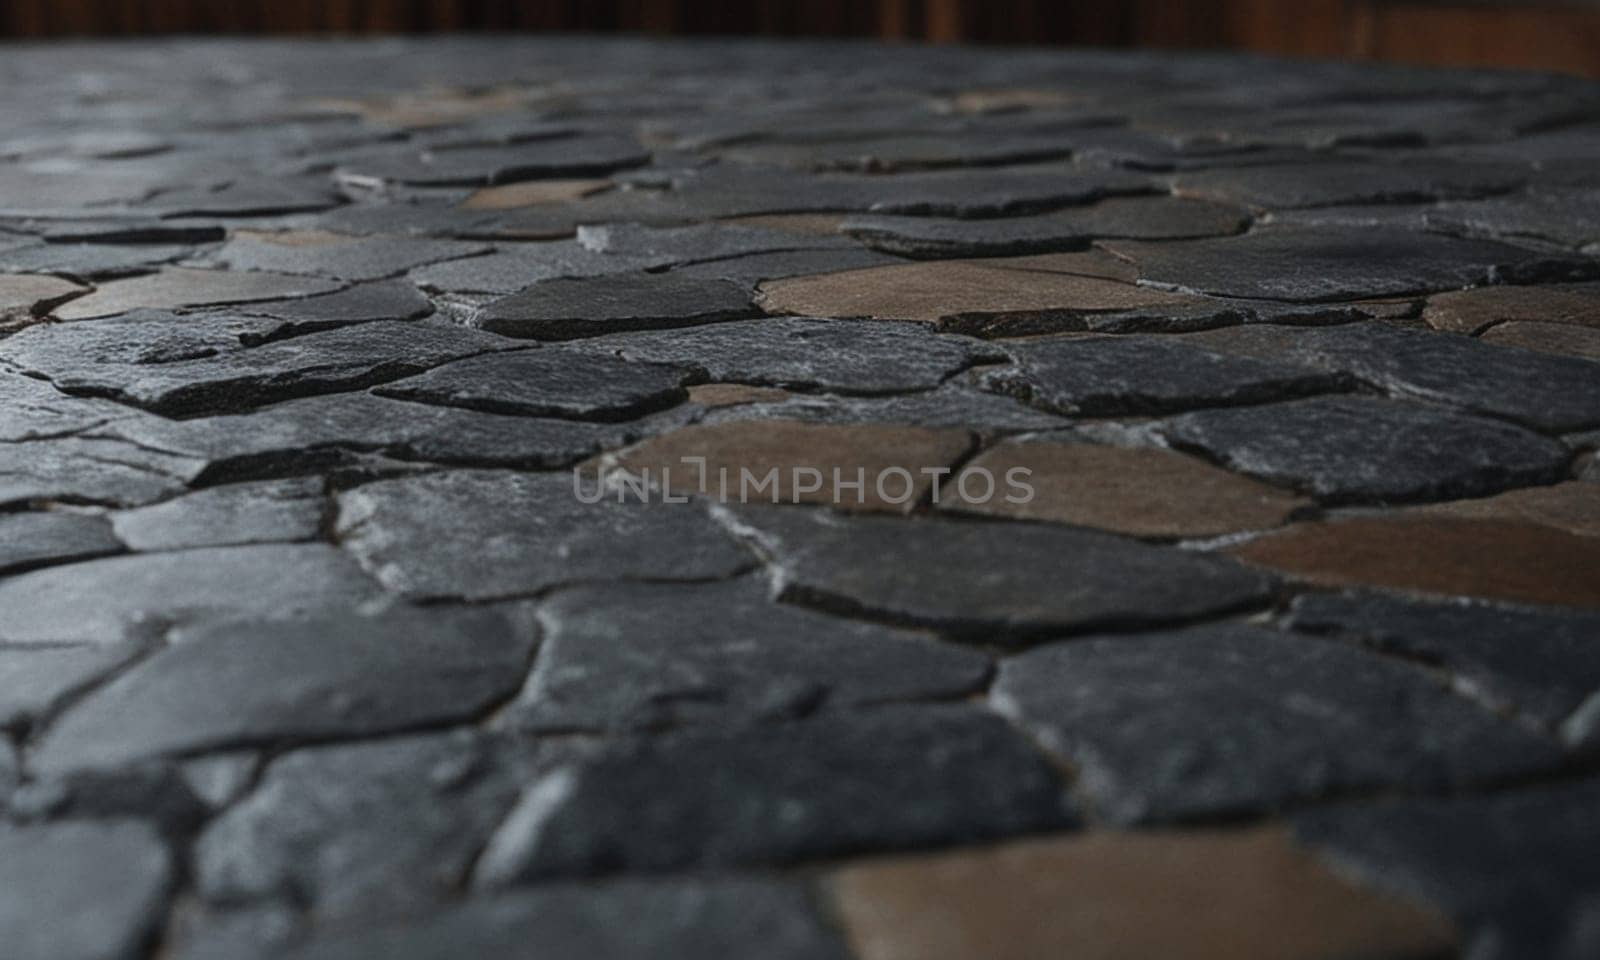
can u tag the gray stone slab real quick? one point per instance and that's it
(579, 156)
(750, 270)
(318, 678)
(570, 308)
(30, 540)
(339, 256)
(1366, 449)
(548, 382)
(706, 241)
(514, 267)
(80, 470)
(362, 303)
(1230, 719)
(90, 261)
(1406, 179)
(987, 582)
(36, 680)
(274, 511)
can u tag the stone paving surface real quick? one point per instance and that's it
(1174, 529)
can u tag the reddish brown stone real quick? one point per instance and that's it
(1573, 507)
(1469, 311)
(1212, 895)
(1564, 338)
(1143, 492)
(1492, 558)
(531, 193)
(866, 450)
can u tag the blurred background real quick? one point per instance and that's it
(1560, 35)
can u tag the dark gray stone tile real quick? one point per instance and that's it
(548, 382)
(1562, 216)
(317, 678)
(652, 655)
(705, 241)
(570, 308)
(274, 511)
(30, 540)
(1106, 376)
(90, 261)
(81, 890)
(483, 533)
(988, 582)
(79, 470)
(339, 256)
(1230, 719)
(1407, 179)
(362, 303)
(1365, 449)
(514, 267)
(896, 778)
(578, 156)
(750, 270)
(35, 680)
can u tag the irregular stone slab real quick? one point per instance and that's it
(1035, 578)
(1508, 866)
(89, 261)
(805, 353)
(1573, 507)
(749, 271)
(1233, 719)
(704, 241)
(1242, 894)
(578, 156)
(186, 287)
(1414, 179)
(1003, 192)
(1453, 556)
(24, 296)
(475, 534)
(152, 361)
(386, 827)
(832, 786)
(1328, 263)
(1548, 393)
(38, 539)
(123, 230)
(32, 409)
(252, 198)
(318, 253)
(961, 296)
(729, 394)
(951, 406)
(1559, 338)
(276, 511)
(515, 267)
(1139, 218)
(96, 471)
(1555, 215)
(344, 675)
(892, 154)
(1364, 449)
(1540, 663)
(105, 601)
(569, 308)
(1143, 492)
(671, 920)
(1471, 311)
(530, 193)
(362, 303)
(548, 383)
(1103, 376)
(867, 467)
(109, 877)
(637, 656)
(36, 680)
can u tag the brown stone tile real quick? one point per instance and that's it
(1468, 311)
(1008, 101)
(187, 287)
(1573, 507)
(732, 394)
(1205, 895)
(531, 193)
(1455, 556)
(24, 295)
(804, 224)
(1085, 263)
(761, 446)
(1143, 492)
(933, 291)
(1564, 338)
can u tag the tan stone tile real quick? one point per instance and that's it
(1564, 338)
(1205, 895)
(732, 394)
(186, 287)
(24, 294)
(531, 193)
(932, 291)
(1573, 506)
(1455, 556)
(1008, 101)
(784, 446)
(1143, 492)
(1468, 311)
(805, 224)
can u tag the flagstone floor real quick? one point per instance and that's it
(1099, 505)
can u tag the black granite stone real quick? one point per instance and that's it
(548, 382)
(571, 308)
(1407, 179)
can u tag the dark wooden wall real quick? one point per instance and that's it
(1541, 34)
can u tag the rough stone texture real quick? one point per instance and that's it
(1141, 492)
(869, 467)
(1350, 183)
(25, 296)
(473, 534)
(1232, 895)
(1559, 338)
(1056, 579)
(547, 383)
(770, 794)
(344, 675)
(1363, 449)
(336, 255)
(1472, 311)
(566, 309)
(275, 511)
(39, 539)
(81, 890)
(1573, 507)
(185, 287)
(1540, 663)
(1453, 556)
(646, 655)
(513, 267)
(1238, 719)
(35, 680)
